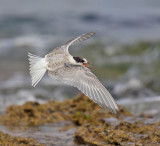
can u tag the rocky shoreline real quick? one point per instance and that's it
(7, 140)
(94, 125)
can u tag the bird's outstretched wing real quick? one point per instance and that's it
(79, 39)
(82, 78)
(64, 48)
(76, 40)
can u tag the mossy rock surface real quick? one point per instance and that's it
(79, 110)
(122, 134)
(95, 125)
(7, 140)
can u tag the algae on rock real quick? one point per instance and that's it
(95, 125)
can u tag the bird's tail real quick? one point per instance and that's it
(37, 67)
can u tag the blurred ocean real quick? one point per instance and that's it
(38, 26)
(120, 21)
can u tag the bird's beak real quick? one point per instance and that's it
(85, 64)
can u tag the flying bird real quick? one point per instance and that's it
(74, 71)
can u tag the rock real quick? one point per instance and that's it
(94, 125)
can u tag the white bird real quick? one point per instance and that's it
(74, 71)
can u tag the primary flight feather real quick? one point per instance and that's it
(74, 71)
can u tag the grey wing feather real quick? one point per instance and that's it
(78, 39)
(64, 47)
(87, 82)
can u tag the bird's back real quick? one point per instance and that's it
(56, 59)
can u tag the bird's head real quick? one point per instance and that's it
(81, 61)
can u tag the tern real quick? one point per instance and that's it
(74, 71)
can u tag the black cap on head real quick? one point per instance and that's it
(78, 59)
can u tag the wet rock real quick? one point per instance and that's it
(111, 121)
(122, 134)
(129, 119)
(79, 110)
(94, 125)
(6, 140)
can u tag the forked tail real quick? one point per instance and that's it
(37, 67)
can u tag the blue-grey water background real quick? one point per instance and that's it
(38, 26)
